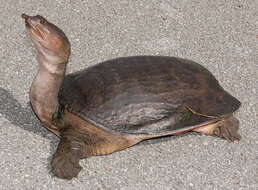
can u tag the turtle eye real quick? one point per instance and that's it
(42, 20)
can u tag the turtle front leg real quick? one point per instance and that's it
(226, 128)
(71, 148)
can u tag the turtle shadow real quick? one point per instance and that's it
(20, 116)
(24, 118)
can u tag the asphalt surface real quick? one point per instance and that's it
(222, 35)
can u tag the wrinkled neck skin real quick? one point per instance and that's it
(45, 88)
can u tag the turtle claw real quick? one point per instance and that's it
(228, 130)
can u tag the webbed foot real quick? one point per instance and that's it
(65, 166)
(65, 161)
(228, 129)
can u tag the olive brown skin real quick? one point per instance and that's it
(118, 103)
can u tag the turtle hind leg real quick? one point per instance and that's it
(226, 128)
(65, 161)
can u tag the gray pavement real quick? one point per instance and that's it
(222, 35)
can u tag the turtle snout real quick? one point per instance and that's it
(27, 19)
(24, 16)
(30, 21)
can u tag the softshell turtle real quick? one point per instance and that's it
(120, 102)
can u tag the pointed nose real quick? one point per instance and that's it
(24, 16)
(28, 20)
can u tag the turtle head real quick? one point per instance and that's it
(50, 41)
